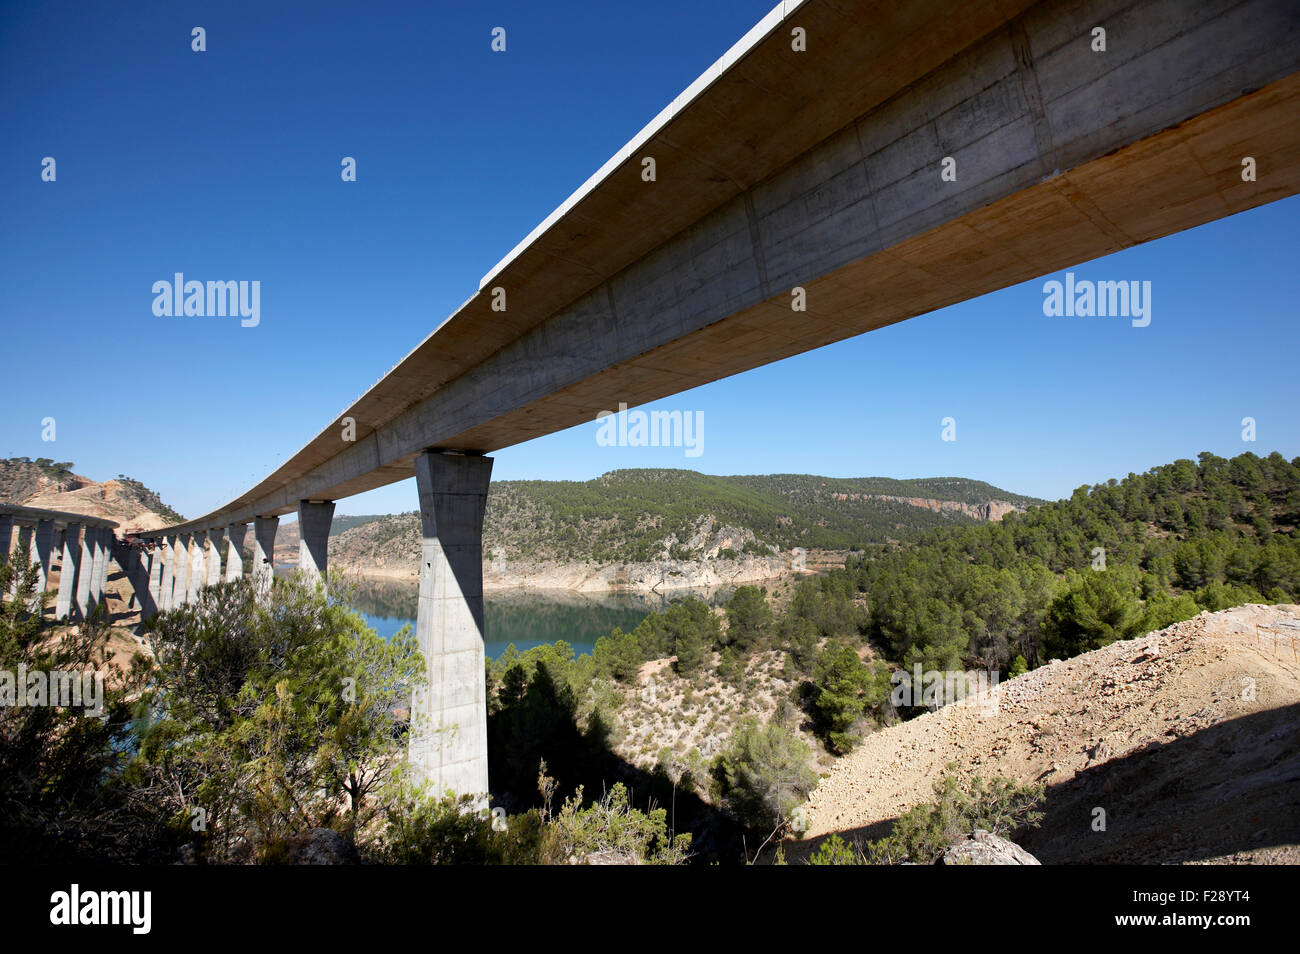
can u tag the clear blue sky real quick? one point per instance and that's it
(225, 164)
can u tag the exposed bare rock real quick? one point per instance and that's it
(321, 846)
(128, 502)
(983, 848)
(989, 510)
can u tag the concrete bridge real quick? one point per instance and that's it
(80, 546)
(846, 165)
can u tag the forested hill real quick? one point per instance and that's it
(1115, 560)
(647, 515)
(643, 515)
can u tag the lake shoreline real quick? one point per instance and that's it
(596, 579)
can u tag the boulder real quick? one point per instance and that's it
(320, 846)
(983, 848)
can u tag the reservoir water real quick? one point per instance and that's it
(526, 618)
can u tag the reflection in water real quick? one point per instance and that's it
(526, 618)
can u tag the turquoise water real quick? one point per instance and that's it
(526, 618)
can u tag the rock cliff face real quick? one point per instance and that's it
(989, 510)
(22, 480)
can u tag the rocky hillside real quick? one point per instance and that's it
(1188, 739)
(652, 529)
(52, 485)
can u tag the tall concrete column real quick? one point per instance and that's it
(109, 539)
(85, 570)
(42, 554)
(448, 741)
(196, 568)
(153, 585)
(236, 534)
(264, 552)
(24, 543)
(127, 559)
(180, 568)
(68, 571)
(167, 579)
(98, 565)
(314, 519)
(215, 538)
(141, 560)
(6, 536)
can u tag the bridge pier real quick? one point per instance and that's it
(215, 538)
(85, 568)
(448, 741)
(167, 578)
(195, 582)
(153, 582)
(264, 552)
(236, 533)
(314, 519)
(180, 568)
(141, 561)
(24, 541)
(98, 565)
(6, 536)
(69, 570)
(42, 554)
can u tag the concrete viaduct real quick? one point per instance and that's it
(846, 165)
(82, 547)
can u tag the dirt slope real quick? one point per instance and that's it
(1163, 733)
(51, 485)
(111, 500)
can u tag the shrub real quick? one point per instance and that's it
(961, 804)
(763, 774)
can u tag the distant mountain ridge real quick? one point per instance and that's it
(648, 515)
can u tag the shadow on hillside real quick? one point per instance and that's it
(539, 723)
(1227, 788)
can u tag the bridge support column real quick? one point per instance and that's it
(85, 569)
(314, 518)
(24, 542)
(215, 538)
(195, 582)
(167, 579)
(98, 565)
(448, 741)
(106, 540)
(42, 554)
(236, 534)
(141, 561)
(153, 581)
(180, 568)
(68, 571)
(264, 552)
